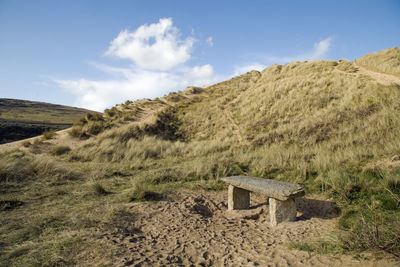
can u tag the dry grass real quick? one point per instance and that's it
(59, 150)
(386, 61)
(48, 134)
(312, 123)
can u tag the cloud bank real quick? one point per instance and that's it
(159, 58)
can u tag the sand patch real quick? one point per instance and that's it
(195, 229)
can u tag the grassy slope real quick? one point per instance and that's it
(386, 61)
(317, 123)
(20, 119)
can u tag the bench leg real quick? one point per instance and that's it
(238, 198)
(282, 211)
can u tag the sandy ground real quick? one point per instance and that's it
(195, 229)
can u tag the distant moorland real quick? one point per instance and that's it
(20, 119)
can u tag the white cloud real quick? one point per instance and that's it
(210, 41)
(97, 95)
(159, 65)
(248, 67)
(153, 47)
(319, 52)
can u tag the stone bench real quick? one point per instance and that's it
(282, 205)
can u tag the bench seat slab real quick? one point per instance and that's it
(271, 188)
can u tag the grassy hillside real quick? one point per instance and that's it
(321, 124)
(385, 61)
(20, 119)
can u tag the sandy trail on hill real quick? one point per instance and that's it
(235, 127)
(382, 78)
(195, 229)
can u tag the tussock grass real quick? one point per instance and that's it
(59, 150)
(26, 143)
(141, 192)
(346, 66)
(88, 125)
(99, 189)
(48, 134)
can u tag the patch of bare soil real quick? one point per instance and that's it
(195, 229)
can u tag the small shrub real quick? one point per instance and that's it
(60, 150)
(48, 134)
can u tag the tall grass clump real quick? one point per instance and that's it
(142, 190)
(99, 189)
(60, 150)
(48, 134)
(26, 143)
(89, 125)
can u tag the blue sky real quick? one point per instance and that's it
(95, 54)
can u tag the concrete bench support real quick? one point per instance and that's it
(282, 211)
(238, 198)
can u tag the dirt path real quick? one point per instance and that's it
(195, 229)
(382, 78)
(235, 127)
